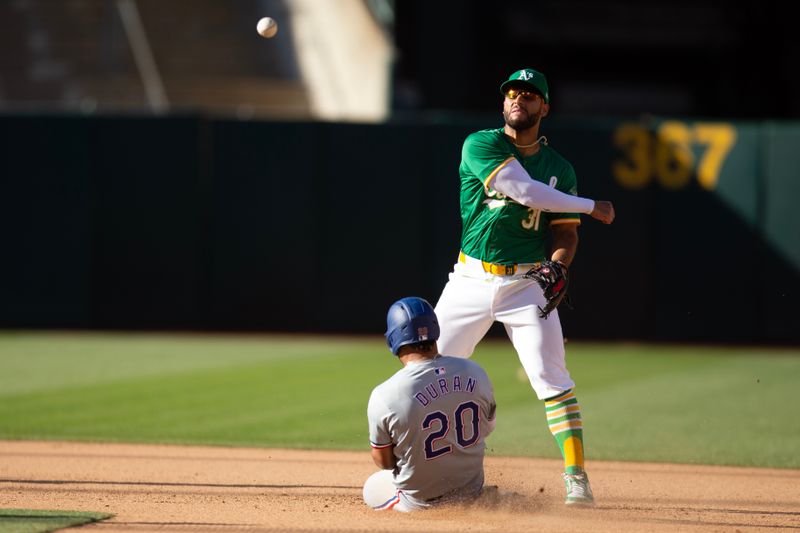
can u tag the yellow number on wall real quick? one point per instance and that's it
(720, 138)
(669, 155)
(636, 143)
(674, 158)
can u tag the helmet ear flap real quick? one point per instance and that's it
(391, 339)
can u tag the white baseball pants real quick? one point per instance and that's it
(472, 300)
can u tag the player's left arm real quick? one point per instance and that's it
(565, 241)
(378, 416)
(489, 403)
(384, 457)
(564, 225)
(491, 418)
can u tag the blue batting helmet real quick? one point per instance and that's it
(410, 320)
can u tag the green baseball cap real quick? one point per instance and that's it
(528, 78)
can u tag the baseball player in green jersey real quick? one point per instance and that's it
(516, 191)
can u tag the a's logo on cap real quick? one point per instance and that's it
(525, 75)
(422, 333)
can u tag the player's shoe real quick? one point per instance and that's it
(579, 492)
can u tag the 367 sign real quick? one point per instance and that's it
(671, 153)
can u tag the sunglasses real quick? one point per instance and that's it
(512, 94)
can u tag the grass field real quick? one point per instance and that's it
(733, 406)
(28, 521)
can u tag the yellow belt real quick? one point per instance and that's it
(498, 270)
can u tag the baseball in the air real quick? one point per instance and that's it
(267, 27)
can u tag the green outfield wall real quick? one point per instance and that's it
(188, 222)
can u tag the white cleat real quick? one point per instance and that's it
(579, 492)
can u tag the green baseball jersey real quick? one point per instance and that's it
(498, 229)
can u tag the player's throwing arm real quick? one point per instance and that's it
(512, 180)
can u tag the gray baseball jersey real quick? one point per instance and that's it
(436, 414)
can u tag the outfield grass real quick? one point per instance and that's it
(640, 403)
(29, 521)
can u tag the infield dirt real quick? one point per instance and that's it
(204, 489)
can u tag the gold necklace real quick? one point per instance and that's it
(541, 139)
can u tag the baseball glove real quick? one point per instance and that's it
(552, 278)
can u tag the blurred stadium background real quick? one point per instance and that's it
(164, 167)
